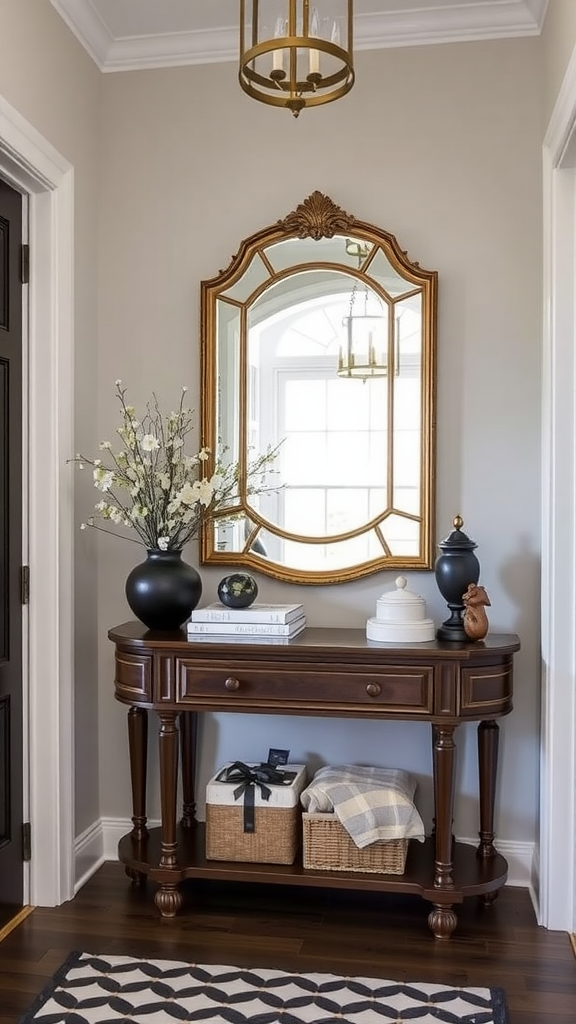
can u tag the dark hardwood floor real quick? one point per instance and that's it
(302, 930)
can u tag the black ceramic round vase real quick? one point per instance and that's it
(238, 590)
(455, 569)
(163, 590)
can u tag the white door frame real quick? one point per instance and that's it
(558, 786)
(31, 164)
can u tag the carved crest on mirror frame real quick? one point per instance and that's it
(317, 217)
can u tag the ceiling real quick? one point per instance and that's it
(125, 35)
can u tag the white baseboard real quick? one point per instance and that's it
(88, 855)
(114, 828)
(520, 857)
(97, 844)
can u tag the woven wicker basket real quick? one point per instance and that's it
(328, 847)
(276, 839)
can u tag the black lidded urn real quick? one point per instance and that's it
(455, 569)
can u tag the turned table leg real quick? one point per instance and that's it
(442, 919)
(138, 746)
(168, 899)
(488, 736)
(444, 767)
(188, 746)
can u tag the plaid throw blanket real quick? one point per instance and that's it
(371, 803)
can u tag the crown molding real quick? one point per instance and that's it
(492, 20)
(88, 28)
(487, 19)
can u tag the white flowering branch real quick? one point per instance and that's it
(153, 487)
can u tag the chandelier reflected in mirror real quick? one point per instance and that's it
(295, 54)
(364, 351)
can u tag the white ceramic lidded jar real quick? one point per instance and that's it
(400, 617)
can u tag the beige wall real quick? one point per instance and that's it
(51, 81)
(558, 38)
(439, 145)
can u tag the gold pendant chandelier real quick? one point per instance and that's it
(293, 56)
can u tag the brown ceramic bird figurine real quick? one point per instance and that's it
(475, 619)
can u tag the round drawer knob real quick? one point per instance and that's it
(373, 689)
(232, 683)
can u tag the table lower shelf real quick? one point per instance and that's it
(472, 875)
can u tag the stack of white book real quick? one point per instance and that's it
(267, 622)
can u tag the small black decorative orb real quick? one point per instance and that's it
(238, 590)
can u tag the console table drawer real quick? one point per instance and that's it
(133, 676)
(486, 689)
(400, 687)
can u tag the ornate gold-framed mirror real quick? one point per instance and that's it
(320, 338)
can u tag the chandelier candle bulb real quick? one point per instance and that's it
(314, 54)
(278, 53)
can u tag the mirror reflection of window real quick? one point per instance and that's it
(334, 431)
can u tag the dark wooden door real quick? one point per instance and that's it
(11, 753)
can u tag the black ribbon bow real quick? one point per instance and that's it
(249, 778)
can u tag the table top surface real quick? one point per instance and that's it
(313, 637)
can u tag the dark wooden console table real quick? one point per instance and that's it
(322, 672)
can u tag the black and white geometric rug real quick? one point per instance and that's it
(91, 989)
